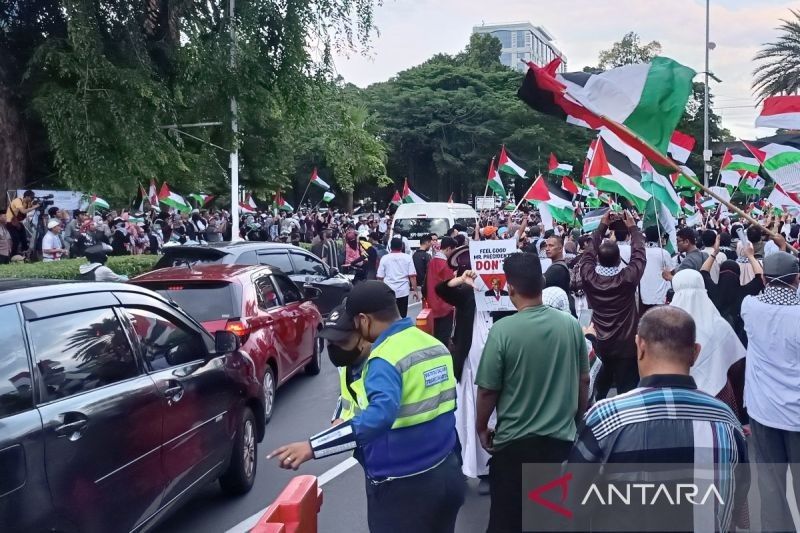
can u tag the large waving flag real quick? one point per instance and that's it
(494, 182)
(173, 199)
(782, 112)
(409, 196)
(780, 156)
(681, 146)
(282, 204)
(751, 186)
(316, 180)
(201, 198)
(641, 103)
(248, 205)
(779, 197)
(660, 187)
(613, 170)
(549, 197)
(741, 159)
(731, 176)
(505, 164)
(558, 169)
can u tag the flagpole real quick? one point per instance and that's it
(304, 195)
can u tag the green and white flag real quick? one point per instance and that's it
(316, 180)
(660, 187)
(505, 164)
(98, 203)
(328, 196)
(494, 182)
(409, 196)
(173, 199)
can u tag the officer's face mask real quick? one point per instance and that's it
(341, 357)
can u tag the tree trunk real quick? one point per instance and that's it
(348, 201)
(13, 142)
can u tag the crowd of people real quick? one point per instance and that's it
(677, 357)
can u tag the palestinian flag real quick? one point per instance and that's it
(751, 189)
(660, 187)
(657, 214)
(682, 182)
(728, 177)
(396, 199)
(152, 194)
(612, 170)
(282, 204)
(681, 146)
(641, 103)
(782, 112)
(688, 209)
(722, 192)
(173, 199)
(589, 155)
(591, 220)
(779, 197)
(138, 202)
(201, 198)
(558, 169)
(248, 205)
(98, 203)
(558, 204)
(505, 164)
(780, 156)
(316, 180)
(328, 196)
(493, 180)
(740, 158)
(569, 186)
(409, 196)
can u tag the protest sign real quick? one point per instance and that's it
(491, 290)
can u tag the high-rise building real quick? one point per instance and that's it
(522, 41)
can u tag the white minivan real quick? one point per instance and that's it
(415, 220)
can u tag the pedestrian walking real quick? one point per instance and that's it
(404, 430)
(397, 270)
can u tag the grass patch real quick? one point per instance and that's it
(128, 265)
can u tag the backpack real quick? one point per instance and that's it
(89, 276)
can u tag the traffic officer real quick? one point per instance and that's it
(348, 352)
(404, 432)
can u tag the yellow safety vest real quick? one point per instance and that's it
(426, 368)
(350, 406)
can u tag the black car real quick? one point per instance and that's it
(302, 266)
(115, 407)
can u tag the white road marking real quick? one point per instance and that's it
(248, 523)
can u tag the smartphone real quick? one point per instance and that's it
(585, 318)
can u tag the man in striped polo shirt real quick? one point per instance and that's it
(665, 420)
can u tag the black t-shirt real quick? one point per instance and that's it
(421, 259)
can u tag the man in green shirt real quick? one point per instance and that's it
(535, 371)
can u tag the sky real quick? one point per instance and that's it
(411, 31)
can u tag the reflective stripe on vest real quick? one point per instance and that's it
(426, 368)
(350, 407)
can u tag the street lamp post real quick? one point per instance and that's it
(706, 154)
(234, 162)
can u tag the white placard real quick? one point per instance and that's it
(484, 202)
(491, 289)
(69, 200)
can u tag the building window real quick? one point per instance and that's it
(521, 39)
(505, 58)
(504, 36)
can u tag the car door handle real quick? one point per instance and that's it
(173, 392)
(74, 424)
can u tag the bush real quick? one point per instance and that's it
(128, 265)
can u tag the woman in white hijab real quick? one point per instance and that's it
(720, 347)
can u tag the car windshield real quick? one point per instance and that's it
(414, 228)
(203, 301)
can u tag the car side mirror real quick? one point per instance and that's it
(311, 292)
(225, 342)
(333, 271)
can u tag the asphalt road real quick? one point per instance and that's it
(304, 407)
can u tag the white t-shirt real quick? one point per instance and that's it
(394, 269)
(714, 272)
(771, 391)
(653, 285)
(51, 241)
(624, 253)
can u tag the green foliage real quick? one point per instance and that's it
(779, 71)
(129, 265)
(628, 51)
(692, 124)
(444, 119)
(483, 51)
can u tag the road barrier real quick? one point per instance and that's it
(295, 510)
(425, 321)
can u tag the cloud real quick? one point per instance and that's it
(411, 31)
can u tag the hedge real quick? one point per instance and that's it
(129, 265)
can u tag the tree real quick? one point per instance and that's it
(779, 72)
(692, 124)
(483, 51)
(628, 51)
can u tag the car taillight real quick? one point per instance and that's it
(238, 328)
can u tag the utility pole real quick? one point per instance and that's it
(234, 162)
(706, 150)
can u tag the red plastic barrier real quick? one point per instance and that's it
(424, 321)
(295, 509)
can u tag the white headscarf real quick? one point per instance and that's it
(556, 297)
(720, 347)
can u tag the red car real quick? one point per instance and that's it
(277, 322)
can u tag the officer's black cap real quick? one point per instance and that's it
(370, 297)
(338, 326)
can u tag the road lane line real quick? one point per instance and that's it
(326, 477)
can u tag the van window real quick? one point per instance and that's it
(414, 228)
(466, 222)
(16, 390)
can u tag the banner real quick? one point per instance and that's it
(68, 200)
(491, 289)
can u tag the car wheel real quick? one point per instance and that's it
(314, 366)
(268, 384)
(241, 473)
